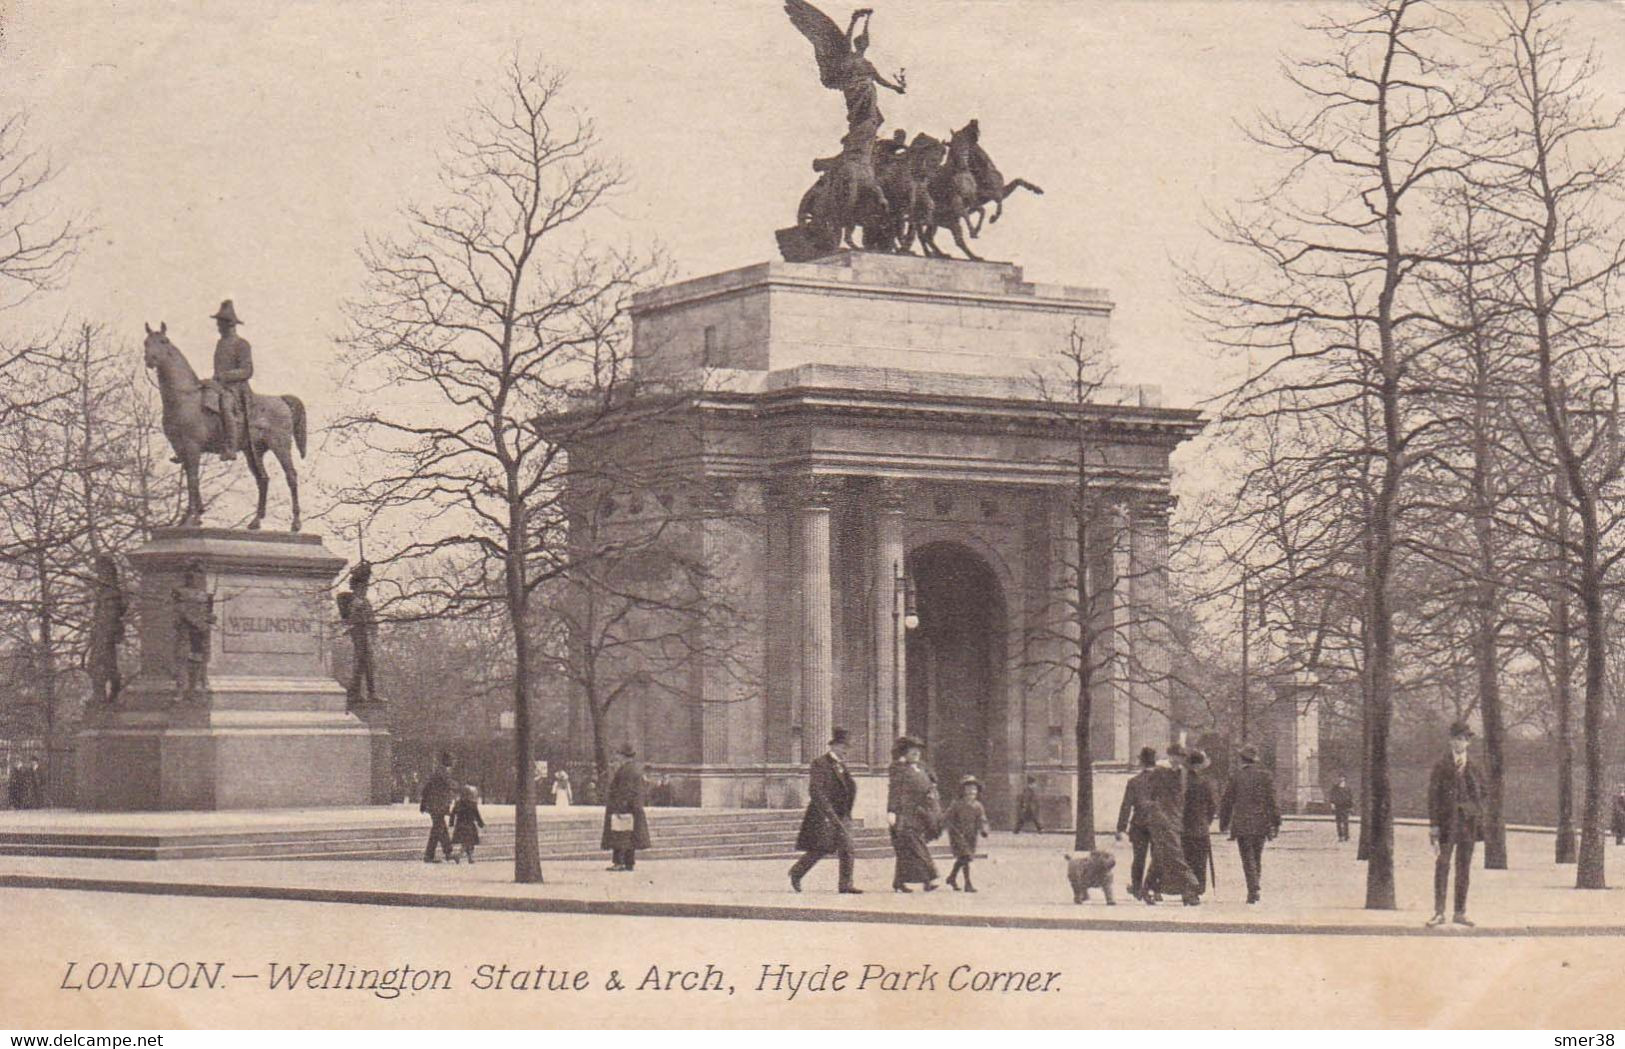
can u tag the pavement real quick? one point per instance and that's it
(1312, 885)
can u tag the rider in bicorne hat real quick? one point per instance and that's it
(233, 367)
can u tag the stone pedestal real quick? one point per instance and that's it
(1297, 743)
(269, 727)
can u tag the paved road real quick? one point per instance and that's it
(1106, 979)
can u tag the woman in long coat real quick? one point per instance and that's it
(914, 814)
(625, 798)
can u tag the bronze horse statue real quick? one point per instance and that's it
(962, 188)
(193, 428)
(991, 188)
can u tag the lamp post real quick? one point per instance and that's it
(905, 618)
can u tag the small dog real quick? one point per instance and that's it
(1092, 870)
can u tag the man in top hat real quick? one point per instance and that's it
(233, 367)
(1249, 812)
(1134, 816)
(827, 826)
(1455, 822)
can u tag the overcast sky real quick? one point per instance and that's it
(242, 151)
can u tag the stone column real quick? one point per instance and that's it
(1297, 742)
(1152, 709)
(716, 503)
(817, 644)
(887, 562)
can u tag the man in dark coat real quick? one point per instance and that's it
(1619, 817)
(1341, 800)
(1455, 822)
(1027, 806)
(625, 799)
(827, 826)
(436, 799)
(1133, 815)
(1200, 807)
(1165, 790)
(1249, 812)
(16, 784)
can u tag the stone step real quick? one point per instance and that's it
(678, 834)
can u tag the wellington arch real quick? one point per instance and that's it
(864, 458)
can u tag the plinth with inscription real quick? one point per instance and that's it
(235, 705)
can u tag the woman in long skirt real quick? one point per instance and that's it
(914, 815)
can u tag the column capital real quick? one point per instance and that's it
(805, 491)
(717, 494)
(1153, 508)
(890, 495)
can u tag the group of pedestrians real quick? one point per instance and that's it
(1168, 810)
(914, 819)
(454, 814)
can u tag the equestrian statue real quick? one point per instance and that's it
(897, 191)
(223, 416)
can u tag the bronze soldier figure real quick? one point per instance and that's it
(356, 611)
(194, 616)
(108, 609)
(233, 367)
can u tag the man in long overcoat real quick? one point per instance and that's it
(439, 793)
(1249, 812)
(827, 826)
(625, 798)
(1619, 817)
(1200, 807)
(1132, 816)
(1455, 822)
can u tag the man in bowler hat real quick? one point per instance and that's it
(1249, 812)
(1134, 816)
(827, 826)
(1455, 822)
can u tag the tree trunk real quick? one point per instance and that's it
(1563, 670)
(527, 855)
(1083, 819)
(1489, 700)
(1592, 871)
(1362, 850)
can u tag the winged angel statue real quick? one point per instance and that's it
(898, 191)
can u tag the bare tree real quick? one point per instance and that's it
(1082, 641)
(495, 306)
(1556, 192)
(1328, 247)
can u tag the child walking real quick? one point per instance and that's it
(967, 821)
(466, 821)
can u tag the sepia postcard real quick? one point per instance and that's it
(718, 514)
